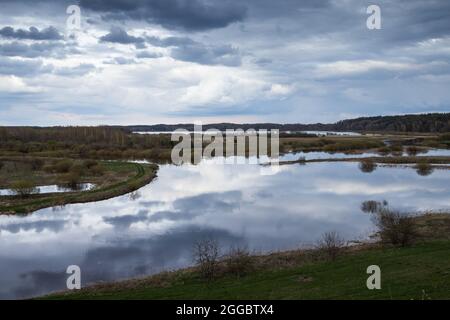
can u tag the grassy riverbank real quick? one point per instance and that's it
(421, 271)
(112, 179)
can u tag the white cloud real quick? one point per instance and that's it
(342, 68)
(13, 84)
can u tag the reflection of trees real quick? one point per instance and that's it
(134, 195)
(367, 166)
(371, 206)
(412, 150)
(423, 168)
(394, 227)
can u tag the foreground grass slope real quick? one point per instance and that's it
(419, 272)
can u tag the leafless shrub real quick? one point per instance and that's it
(331, 244)
(395, 227)
(238, 261)
(206, 256)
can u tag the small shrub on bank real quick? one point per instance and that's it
(23, 188)
(331, 244)
(396, 228)
(239, 262)
(206, 256)
(71, 180)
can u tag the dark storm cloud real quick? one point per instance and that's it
(182, 48)
(416, 20)
(210, 55)
(186, 49)
(170, 41)
(119, 35)
(172, 14)
(33, 33)
(23, 68)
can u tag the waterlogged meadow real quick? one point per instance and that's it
(155, 228)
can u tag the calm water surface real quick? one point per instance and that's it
(154, 229)
(52, 189)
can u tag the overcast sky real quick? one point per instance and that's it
(171, 61)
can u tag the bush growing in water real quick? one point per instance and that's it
(412, 150)
(367, 166)
(71, 180)
(423, 168)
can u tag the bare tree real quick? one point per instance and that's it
(331, 244)
(239, 261)
(395, 227)
(206, 256)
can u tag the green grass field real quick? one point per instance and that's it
(418, 272)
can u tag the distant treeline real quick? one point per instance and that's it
(432, 122)
(86, 142)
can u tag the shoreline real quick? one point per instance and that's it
(145, 173)
(269, 270)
